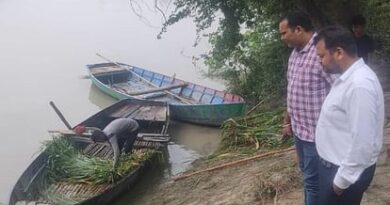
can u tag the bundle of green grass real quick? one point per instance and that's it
(68, 164)
(258, 130)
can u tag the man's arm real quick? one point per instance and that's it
(362, 115)
(286, 126)
(114, 145)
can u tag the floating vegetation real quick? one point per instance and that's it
(260, 130)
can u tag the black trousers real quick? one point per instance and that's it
(126, 141)
(352, 195)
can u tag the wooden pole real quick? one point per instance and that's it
(60, 115)
(279, 152)
(157, 89)
(146, 81)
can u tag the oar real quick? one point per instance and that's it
(60, 115)
(143, 79)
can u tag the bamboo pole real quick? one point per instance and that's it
(60, 115)
(157, 89)
(278, 152)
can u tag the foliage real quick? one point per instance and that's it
(246, 52)
(245, 47)
(378, 14)
(255, 68)
(260, 130)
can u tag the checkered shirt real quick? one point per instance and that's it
(307, 88)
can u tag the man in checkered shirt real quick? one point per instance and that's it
(307, 88)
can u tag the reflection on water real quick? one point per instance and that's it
(180, 158)
(99, 98)
(203, 140)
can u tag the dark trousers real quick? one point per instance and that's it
(126, 141)
(308, 163)
(352, 195)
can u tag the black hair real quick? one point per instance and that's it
(337, 36)
(298, 18)
(358, 20)
(99, 136)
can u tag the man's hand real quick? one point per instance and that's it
(115, 148)
(338, 191)
(286, 131)
(286, 127)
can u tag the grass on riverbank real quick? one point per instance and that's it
(257, 133)
(261, 130)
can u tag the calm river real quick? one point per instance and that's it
(44, 46)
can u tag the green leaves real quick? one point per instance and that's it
(246, 51)
(261, 130)
(377, 13)
(67, 164)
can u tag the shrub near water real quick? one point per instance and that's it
(65, 163)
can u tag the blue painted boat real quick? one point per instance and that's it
(187, 101)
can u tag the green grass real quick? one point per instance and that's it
(255, 131)
(67, 164)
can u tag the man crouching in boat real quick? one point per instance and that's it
(121, 133)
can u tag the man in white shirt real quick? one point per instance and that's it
(350, 127)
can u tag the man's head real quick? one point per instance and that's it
(293, 27)
(99, 136)
(336, 48)
(358, 25)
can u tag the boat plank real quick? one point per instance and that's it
(150, 113)
(124, 111)
(107, 69)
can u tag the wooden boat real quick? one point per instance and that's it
(152, 118)
(188, 102)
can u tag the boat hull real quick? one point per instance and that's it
(211, 107)
(152, 118)
(211, 115)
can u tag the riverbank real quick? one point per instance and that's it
(249, 183)
(270, 180)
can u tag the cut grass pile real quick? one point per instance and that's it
(259, 130)
(68, 164)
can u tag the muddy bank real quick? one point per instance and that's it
(273, 180)
(249, 183)
(253, 182)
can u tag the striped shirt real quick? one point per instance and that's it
(307, 88)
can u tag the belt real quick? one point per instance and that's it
(327, 164)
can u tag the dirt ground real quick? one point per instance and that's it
(242, 184)
(245, 183)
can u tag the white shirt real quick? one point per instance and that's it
(350, 127)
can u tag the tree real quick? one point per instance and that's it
(246, 52)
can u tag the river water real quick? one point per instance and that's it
(44, 46)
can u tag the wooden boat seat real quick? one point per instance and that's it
(139, 112)
(108, 70)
